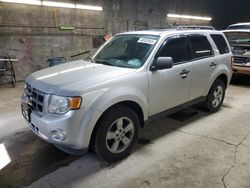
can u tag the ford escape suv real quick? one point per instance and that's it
(103, 101)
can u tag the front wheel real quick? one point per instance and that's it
(117, 133)
(216, 96)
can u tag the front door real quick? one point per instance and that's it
(170, 87)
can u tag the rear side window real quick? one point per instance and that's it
(175, 48)
(220, 43)
(201, 47)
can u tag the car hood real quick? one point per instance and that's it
(66, 79)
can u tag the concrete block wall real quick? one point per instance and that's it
(32, 34)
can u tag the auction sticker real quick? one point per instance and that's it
(147, 41)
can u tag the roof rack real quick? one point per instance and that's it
(182, 27)
(161, 28)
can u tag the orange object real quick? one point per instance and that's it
(75, 103)
(107, 37)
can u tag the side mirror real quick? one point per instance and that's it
(162, 63)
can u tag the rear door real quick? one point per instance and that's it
(224, 54)
(203, 64)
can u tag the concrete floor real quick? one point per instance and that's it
(191, 148)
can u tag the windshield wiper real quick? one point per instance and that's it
(90, 59)
(82, 53)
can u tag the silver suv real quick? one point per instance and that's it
(103, 101)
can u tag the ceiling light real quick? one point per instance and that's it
(30, 2)
(88, 7)
(58, 4)
(189, 17)
(55, 4)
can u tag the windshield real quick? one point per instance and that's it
(239, 27)
(238, 37)
(130, 51)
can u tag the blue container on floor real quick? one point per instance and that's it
(56, 61)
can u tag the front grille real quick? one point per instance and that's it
(35, 98)
(241, 59)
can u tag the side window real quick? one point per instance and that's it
(175, 48)
(201, 47)
(220, 43)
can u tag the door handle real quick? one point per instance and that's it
(213, 64)
(184, 73)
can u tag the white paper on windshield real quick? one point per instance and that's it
(134, 62)
(147, 41)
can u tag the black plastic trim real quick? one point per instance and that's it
(175, 109)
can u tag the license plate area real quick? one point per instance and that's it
(26, 111)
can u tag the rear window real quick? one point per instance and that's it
(201, 47)
(220, 43)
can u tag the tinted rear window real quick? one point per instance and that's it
(220, 43)
(201, 47)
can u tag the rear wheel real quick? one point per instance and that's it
(117, 133)
(216, 96)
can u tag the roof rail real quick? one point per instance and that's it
(182, 27)
(161, 28)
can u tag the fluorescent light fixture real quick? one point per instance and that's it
(202, 52)
(88, 7)
(58, 4)
(189, 17)
(5, 158)
(55, 4)
(29, 2)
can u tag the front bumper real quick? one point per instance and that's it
(241, 63)
(77, 125)
(241, 69)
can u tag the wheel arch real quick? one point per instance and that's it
(222, 76)
(128, 103)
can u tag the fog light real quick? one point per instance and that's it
(58, 135)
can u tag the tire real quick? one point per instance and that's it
(215, 96)
(116, 134)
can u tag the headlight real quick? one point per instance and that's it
(61, 105)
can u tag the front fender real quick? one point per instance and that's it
(98, 104)
(117, 95)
